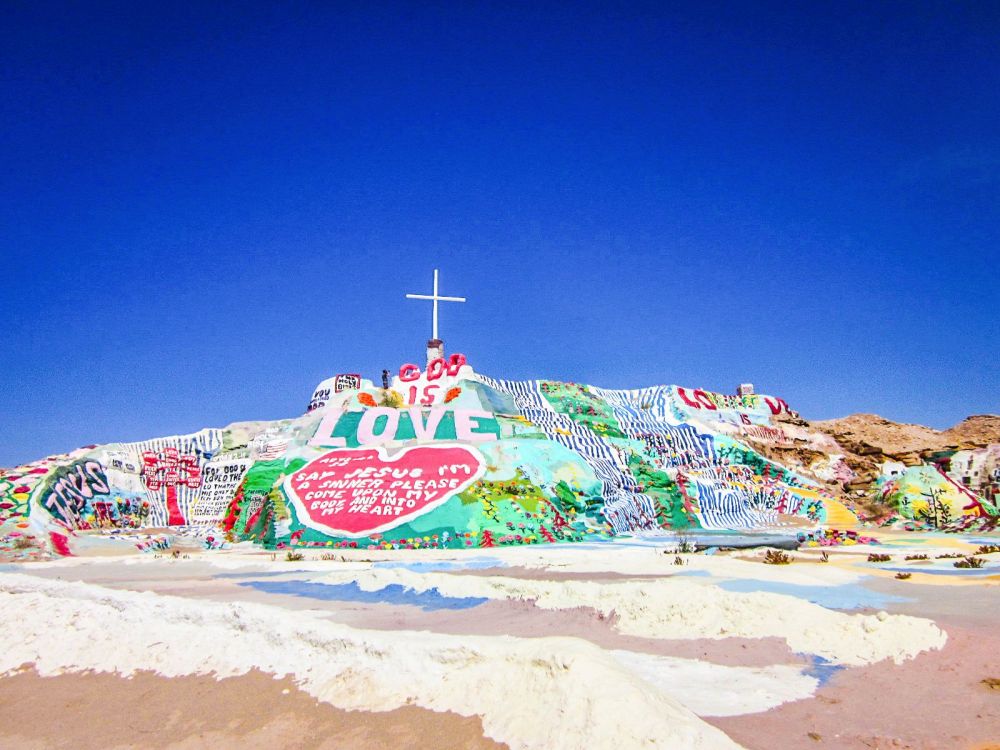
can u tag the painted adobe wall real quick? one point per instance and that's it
(445, 457)
(449, 458)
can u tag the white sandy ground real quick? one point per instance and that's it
(680, 608)
(644, 560)
(580, 558)
(563, 559)
(714, 690)
(630, 558)
(710, 689)
(530, 693)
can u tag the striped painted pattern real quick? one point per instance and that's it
(625, 508)
(641, 411)
(203, 444)
(726, 507)
(728, 496)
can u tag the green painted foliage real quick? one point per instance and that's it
(673, 510)
(582, 406)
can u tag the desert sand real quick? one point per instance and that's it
(559, 646)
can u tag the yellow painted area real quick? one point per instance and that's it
(839, 515)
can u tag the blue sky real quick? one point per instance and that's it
(204, 211)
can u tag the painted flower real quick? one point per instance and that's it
(367, 399)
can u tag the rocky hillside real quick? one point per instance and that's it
(870, 434)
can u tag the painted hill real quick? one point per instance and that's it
(446, 457)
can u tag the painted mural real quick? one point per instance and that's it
(930, 497)
(444, 457)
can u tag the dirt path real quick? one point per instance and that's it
(107, 712)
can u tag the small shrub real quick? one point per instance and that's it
(825, 557)
(969, 562)
(23, 542)
(328, 556)
(776, 557)
(988, 549)
(685, 546)
(879, 558)
(678, 560)
(903, 576)
(391, 398)
(915, 557)
(950, 556)
(293, 556)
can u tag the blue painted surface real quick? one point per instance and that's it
(822, 669)
(264, 573)
(394, 593)
(705, 537)
(476, 563)
(989, 570)
(852, 596)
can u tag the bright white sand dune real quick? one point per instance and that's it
(530, 693)
(714, 690)
(649, 560)
(679, 608)
(582, 558)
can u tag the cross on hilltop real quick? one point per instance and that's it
(436, 298)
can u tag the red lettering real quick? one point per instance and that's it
(683, 394)
(409, 372)
(455, 361)
(705, 400)
(435, 368)
(777, 405)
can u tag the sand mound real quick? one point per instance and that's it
(530, 693)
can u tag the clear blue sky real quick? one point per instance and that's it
(204, 211)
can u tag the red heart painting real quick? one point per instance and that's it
(357, 492)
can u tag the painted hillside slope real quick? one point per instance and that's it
(890, 473)
(445, 457)
(461, 459)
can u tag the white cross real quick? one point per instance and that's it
(436, 299)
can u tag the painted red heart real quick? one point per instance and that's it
(357, 492)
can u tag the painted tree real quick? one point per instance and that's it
(168, 470)
(486, 539)
(938, 511)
